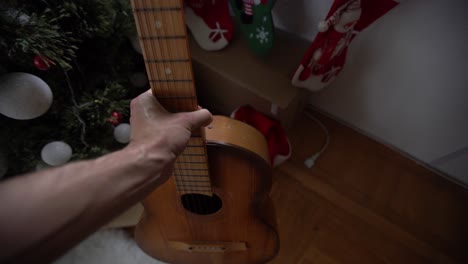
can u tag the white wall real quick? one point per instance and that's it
(406, 78)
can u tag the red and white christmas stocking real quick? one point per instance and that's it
(210, 23)
(326, 56)
(278, 143)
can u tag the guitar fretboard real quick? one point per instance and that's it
(163, 39)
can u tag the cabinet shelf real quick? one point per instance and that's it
(235, 76)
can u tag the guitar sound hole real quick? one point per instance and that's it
(201, 204)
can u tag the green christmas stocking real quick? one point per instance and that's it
(256, 23)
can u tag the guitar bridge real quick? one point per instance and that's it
(219, 247)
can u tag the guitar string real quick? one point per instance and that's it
(176, 88)
(200, 203)
(186, 189)
(202, 143)
(194, 200)
(194, 105)
(199, 145)
(158, 85)
(207, 207)
(178, 176)
(200, 200)
(148, 53)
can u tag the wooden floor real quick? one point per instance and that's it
(364, 203)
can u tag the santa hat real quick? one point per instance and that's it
(278, 143)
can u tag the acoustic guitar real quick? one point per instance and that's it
(215, 208)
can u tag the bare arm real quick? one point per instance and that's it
(43, 214)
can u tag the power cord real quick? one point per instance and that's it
(310, 161)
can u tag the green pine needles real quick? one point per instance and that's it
(87, 43)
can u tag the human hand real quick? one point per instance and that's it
(160, 136)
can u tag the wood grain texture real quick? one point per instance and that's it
(229, 131)
(242, 179)
(240, 175)
(163, 38)
(363, 202)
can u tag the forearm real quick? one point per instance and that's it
(45, 213)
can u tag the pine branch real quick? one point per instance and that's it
(23, 36)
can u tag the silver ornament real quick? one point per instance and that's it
(122, 133)
(56, 153)
(139, 79)
(24, 96)
(21, 17)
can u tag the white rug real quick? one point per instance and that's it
(111, 246)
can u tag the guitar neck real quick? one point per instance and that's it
(163, 39)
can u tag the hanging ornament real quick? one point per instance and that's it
(3, 165)
(42, 63)
(138, 79)
(115, 118)
(21, 17)
(326, 56)
(210, 23)
(256, 23)
(56, 153)
(24, 96)
(122, 133)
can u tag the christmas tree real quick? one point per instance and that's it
(82, 49)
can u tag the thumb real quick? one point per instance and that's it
(199, 118)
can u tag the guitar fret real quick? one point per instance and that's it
(157, 9)
(189, 181)
(167, 61)
(198, 188)
(174, 80)
(193, 186)
(178, 47)
(175, 97)
(184, 174)
(190, 154)
(195, 176)
(162, 37)
(191, 169)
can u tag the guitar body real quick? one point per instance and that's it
(239, 227)
(215, 208)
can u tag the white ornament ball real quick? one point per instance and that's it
(24, 96)
(21, 17)
(139, 79)
(122, 133)
(56, 153)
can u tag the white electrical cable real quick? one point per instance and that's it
(310, 161)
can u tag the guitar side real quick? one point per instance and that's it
(243, 231)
